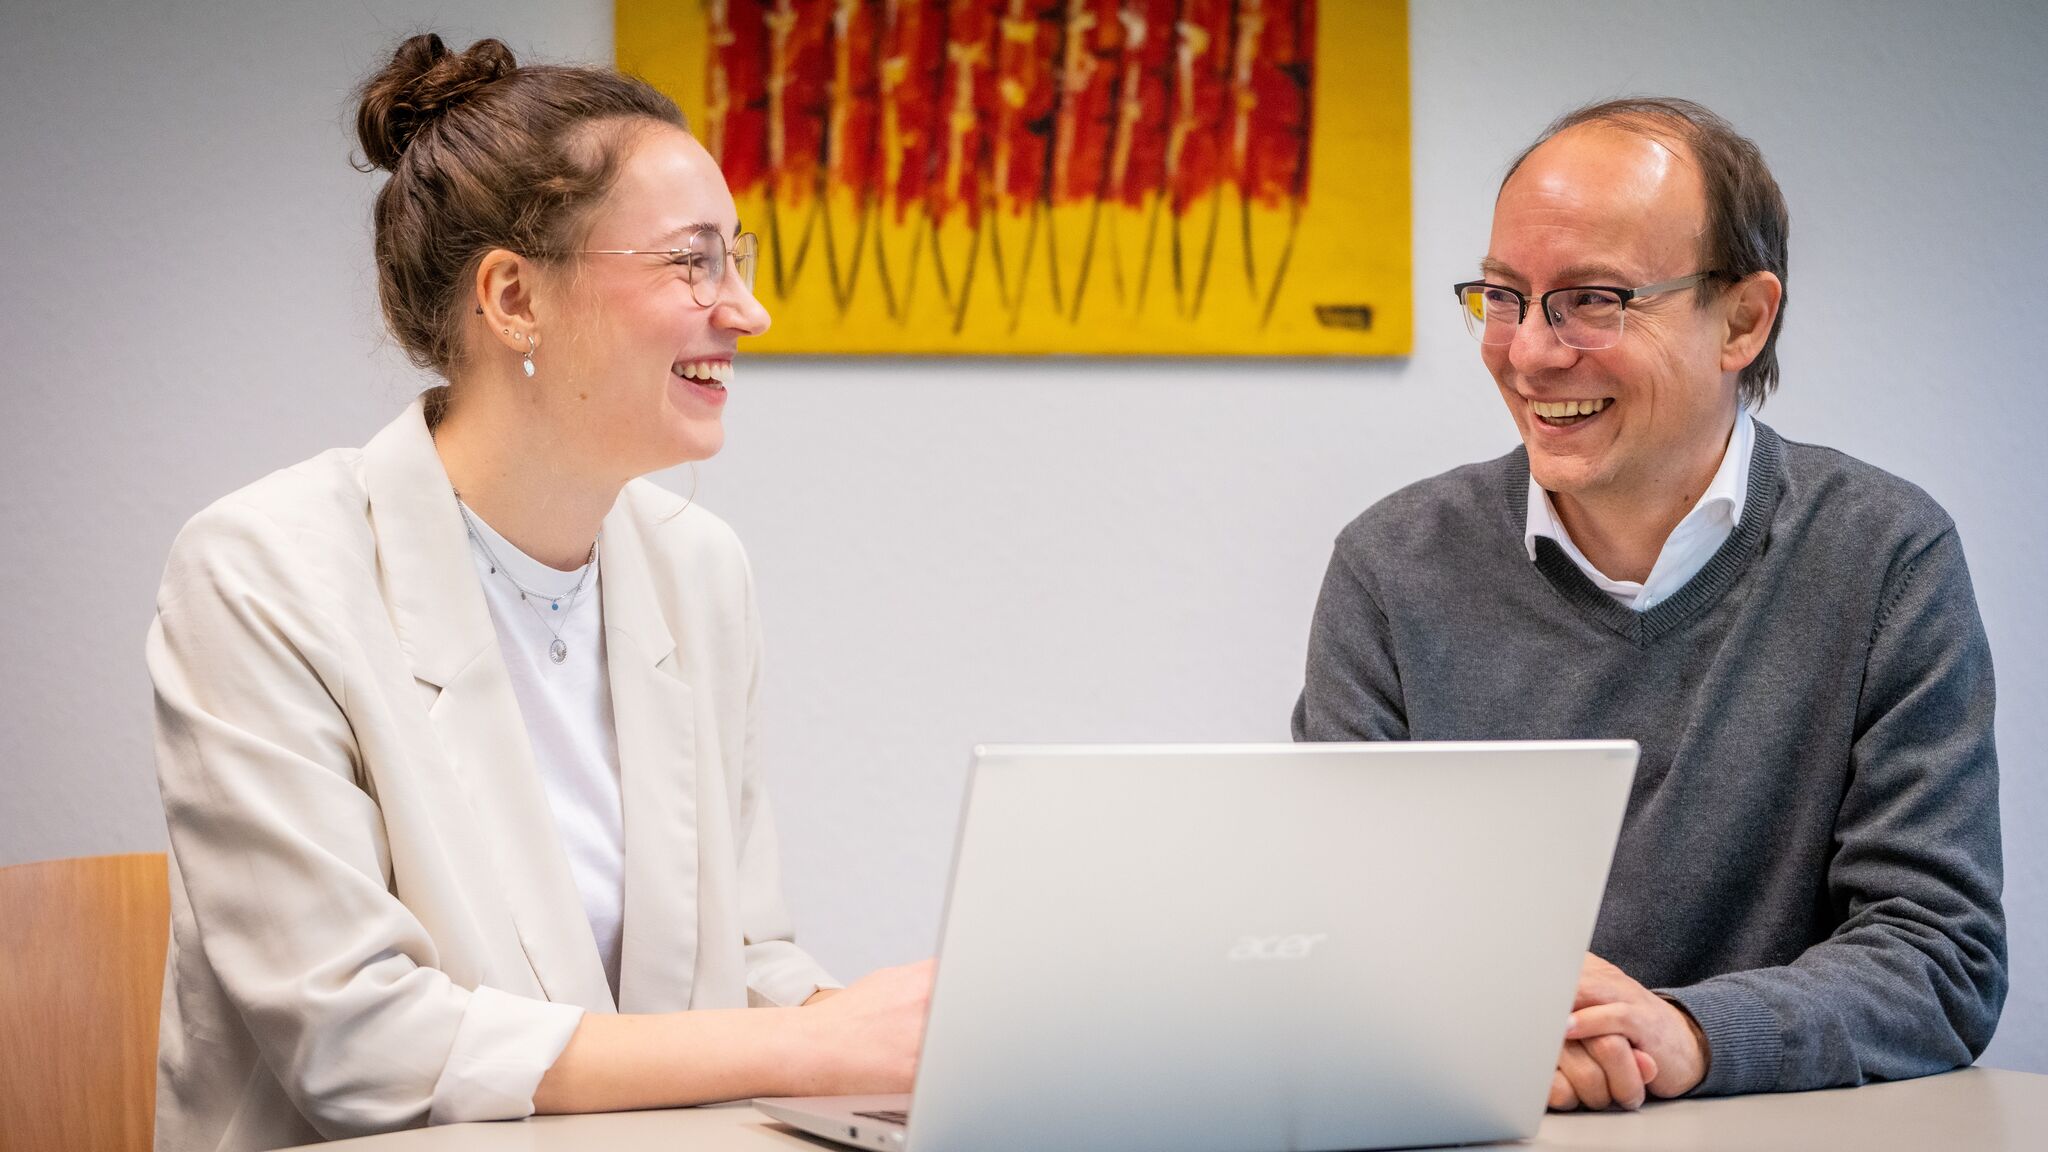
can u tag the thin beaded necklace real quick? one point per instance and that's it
(558, 651)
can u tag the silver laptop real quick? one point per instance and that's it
(1254, 948)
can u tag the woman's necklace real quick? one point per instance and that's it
(558, 651)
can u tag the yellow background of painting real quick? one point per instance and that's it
(1353, 247)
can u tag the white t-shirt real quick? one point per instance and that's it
(567, 708)
(1691, 544)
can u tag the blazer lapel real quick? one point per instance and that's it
(654, 715)
(444, 627)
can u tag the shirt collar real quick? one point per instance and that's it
(1724, 497)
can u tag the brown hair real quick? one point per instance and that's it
(483, 154)
(1747, 223)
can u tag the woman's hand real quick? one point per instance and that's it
(858, 1040)
(866, 1038)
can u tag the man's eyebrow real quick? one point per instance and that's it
(1572, 277)
(1592, 274)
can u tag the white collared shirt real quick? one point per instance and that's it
(1712, 520)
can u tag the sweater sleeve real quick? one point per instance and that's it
(1912, 978)
(1352, 687)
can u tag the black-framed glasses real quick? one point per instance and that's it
(1588, 317)
(703, 261)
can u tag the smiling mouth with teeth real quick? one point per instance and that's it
(1564, 413)
(713, 374)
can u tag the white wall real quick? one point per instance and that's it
(962, 551)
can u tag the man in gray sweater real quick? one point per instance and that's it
(1806, 888)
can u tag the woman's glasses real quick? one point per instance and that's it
(704, 261)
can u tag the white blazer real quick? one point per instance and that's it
(370, 902)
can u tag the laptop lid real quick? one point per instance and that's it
(1228, 948)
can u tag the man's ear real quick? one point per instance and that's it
(1751, 310)
(504, 298)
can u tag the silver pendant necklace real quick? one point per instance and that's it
(558, 650)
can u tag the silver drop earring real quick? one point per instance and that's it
(526, 362)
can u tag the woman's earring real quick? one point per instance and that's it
(526, 362)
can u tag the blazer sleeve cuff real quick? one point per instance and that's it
(503, 1046)
(781, 975)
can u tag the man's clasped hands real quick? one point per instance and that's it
(1625, 1042)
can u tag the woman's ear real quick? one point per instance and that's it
(504, 298)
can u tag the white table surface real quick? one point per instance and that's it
(1975, 1108)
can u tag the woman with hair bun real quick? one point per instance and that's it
(456, 731)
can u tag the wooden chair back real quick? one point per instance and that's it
(81, 977)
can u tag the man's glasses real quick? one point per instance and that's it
(1588, 317)
(703, 261)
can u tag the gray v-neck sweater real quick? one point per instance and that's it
(1810, 859)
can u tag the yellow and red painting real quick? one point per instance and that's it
(1185, 177)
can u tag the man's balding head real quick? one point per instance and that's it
(1743, 217)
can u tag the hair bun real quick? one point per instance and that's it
(423, 82)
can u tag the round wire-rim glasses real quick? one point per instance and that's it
(703, 261)
(1588, 317)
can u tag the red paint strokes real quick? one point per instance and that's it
(1029, 43)
(853, 108)
(799, 93)
(736, 92)
(1144, 90)
(1084, 117)
(1195, 152)
(950, 104)
(942, 110)
(912, 34)
(966, 98)
(1280, 79)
